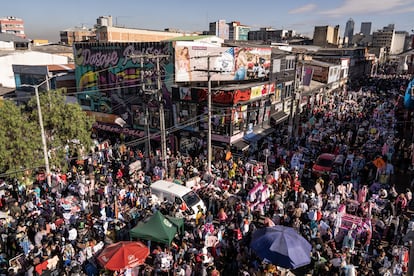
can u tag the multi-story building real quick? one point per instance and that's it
(104, 21)
(359, 65)
(349, 32)
(391, 40)
(16, 50)
(325, 36)
(219, 28)
(238, 31)
(108, 33)
(12, 25)
(366, 28)
(270, 35)
(53, 76)
(77, 34)
(245, 101)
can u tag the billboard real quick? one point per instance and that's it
(192, 63)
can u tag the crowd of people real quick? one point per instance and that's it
(356, 217)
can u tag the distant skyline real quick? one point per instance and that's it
(44, 19)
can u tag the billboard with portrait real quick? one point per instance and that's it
(192, 63)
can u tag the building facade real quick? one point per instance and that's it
(54, 76)
(238, 31)
(117, 34)
(219, 28)
(325, 36)
(26, 58)
(77, 34)
(359, 65)
(366, 28)
(270, 35)
(389, 39)
(129, 80)
(245, 102)
(12, 25)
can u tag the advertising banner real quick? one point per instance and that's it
(307, 76)
(225, 63)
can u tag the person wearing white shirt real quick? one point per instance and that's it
(72, 234)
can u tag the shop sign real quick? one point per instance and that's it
(120, 130)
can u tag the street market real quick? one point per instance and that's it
(354, 216)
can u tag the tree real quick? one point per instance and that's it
(20, 143)
(67, 127)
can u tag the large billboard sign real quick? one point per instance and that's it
(192, 63)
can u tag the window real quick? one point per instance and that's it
(221, 121)
(276, 65)
(239, 119)
(290, 62)
(288, 91)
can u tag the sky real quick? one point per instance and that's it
(44, 19)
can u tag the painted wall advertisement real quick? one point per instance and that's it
(112, 74)
(192, 62)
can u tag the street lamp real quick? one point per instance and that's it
(42, 130)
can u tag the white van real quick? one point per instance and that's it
(176, 193)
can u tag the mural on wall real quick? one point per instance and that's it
(113, 75)
(226, 63)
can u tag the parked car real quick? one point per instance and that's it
(323, 163)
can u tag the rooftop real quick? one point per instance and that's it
(10, 37)
(188, 37)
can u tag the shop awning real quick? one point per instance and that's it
(241, 145)
(279, 117)
(106, 118)
(258, 134)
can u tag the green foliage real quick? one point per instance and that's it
(20, 140)
(65, 124)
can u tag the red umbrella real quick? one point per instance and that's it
(123, 255)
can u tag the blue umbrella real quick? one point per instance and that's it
(281, 246)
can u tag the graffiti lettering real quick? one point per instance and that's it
(98, 59)
(131, 54)
(148, 55)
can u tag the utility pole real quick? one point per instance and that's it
(160, 99)
(209, 71)
(162, 119)
(42, 129)
(42, 132)
(147, 130)
(209, 148)
(292, 100)
(298, 95)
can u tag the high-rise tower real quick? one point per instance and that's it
(366, 28)
(349, 31)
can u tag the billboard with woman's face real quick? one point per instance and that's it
(192, 63)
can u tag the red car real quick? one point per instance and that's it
(324, 163)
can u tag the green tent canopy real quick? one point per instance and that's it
(178, 222)
(158, 228)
